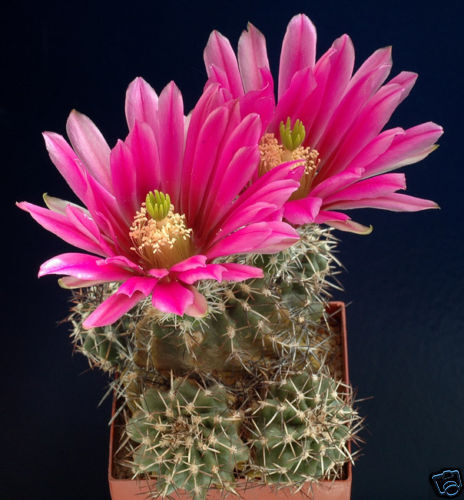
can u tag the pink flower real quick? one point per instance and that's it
(161, 243)
(341, 115)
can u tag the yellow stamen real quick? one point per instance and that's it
(160, 242)
(273, 154)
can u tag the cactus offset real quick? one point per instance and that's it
(301, 429)
(188, 437)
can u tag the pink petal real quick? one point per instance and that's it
(252, 56)
(376, 148)
(189, 264)
(219, 53)
(302, 211)
(275, 192)
(141, 142)
(262, 237)
(123, 173)
(336, 183)
(346, 112)
(171, 141)
(260, 101)
(395, 202)
(240, 272)
(298, 50)
(199, 306)
(67, 163)
(369, 123)
(381, 57)
(141, 104)
(237, 160)
(204, 160)
(60, 225)
(332, 73)
(410, 147)
(84, 267)
(208, 272)
(158, 273)
(124, 299)
(82, 221)
(90, 146)
(369, 188)
(236, 176)
(294, 99)
(172, 297)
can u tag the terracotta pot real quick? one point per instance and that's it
(340, 489)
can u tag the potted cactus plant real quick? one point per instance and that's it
(205, 283)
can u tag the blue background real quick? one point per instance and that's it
(404, 282)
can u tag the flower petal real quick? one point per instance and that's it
(262, 237)
(172, 297)
(90, 146)
(84, 267)
(128, 294)
(62, 227)
(298, 50)
(218, 52)
(141, 104)
(252, 56)
(170, 140)
(240, 272)
(302, 211)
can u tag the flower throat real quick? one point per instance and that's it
(160, 235)
(274, 153)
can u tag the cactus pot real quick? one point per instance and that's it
(340, 489)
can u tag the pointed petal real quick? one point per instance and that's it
(123, 173)
(170, 140)
(373, 187)
(124, 299)
(172, 297)
(67, 163)
(142, 144)
(395, 202)
(332, 73)
(240, 272)
(84, 267)
(298, 50)
(199, 306)
(90, 146)
(60, 225)
(410, 147)
(219, 53)
(141, 104)
(207, 272)
(302, 211)
(252, 56)
(262, 237)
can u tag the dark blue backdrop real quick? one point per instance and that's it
(405, 281)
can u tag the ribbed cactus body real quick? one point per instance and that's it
(301, 429)
(188, 438)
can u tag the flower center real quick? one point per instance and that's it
(160, 236)
(274, 153)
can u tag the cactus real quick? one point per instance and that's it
(244, 391)
(187, 437)
(301, 429)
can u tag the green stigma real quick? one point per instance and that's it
(292, 139)
(157, 204)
